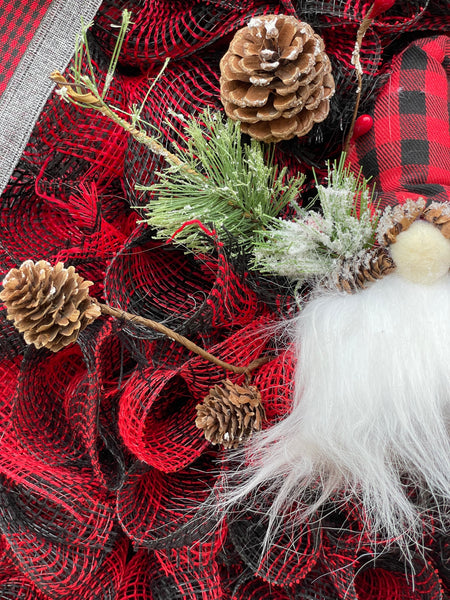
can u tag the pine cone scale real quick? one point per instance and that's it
(439, 215)
(355, 273)
(399, 218)
(256, 96)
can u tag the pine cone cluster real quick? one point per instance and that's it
(354, 274)
(230, 414)
(399, 218)
(49, 305)
(438, 214)
(276, 78)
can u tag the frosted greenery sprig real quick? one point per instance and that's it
(238, 192)
(311, 245)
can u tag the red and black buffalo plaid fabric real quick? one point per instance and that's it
(102, 470)
(19, 20)
(407, 151)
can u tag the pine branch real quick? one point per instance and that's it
(238, 192)
(215, 180)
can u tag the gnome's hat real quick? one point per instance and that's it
(407, 151)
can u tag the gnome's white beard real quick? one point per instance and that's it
(372, 395)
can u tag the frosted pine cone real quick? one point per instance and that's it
(49, 305)
(438, 213)
(355, 273)
(276, 78)
(230, 414)
(398, 218)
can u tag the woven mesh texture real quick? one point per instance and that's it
(153, 506)
(102, 470)
(164, 29)
(188, 294)
(157, 407)
(152, 577)
(277, 565)
(55, 521)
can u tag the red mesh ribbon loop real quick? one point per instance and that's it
(56, 521)
(159, 281)
(275, 382)
(288, 560)
(172, 28)
(377, 583)
(151, 577)
(155, 507)
(40, 413)
(157, 420)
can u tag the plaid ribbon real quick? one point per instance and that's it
(407, 152)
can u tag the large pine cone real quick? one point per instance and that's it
(276, 78)
(49, 305)
(230, 414)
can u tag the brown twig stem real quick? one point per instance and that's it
(87, 99)
(120, 314)
(363, 28)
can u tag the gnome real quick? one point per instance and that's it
(369, 420)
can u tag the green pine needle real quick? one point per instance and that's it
(229, 185)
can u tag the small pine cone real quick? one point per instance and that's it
(355, 273)
(276, 78)
(230, 413)
(399, 218)
(438, 213)
(49, 305)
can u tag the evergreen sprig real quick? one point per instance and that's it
(230, 186)
(312, 245)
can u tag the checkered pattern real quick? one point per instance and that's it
(19, 20)
(407, 152)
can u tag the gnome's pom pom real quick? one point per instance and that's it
(421, 253)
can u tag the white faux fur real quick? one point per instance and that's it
(372, 395)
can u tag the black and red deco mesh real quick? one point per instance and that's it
(102, 471)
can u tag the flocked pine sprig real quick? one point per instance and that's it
(229, 185)
(314, 243)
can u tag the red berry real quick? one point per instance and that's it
(363, 124)
(380, 6)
